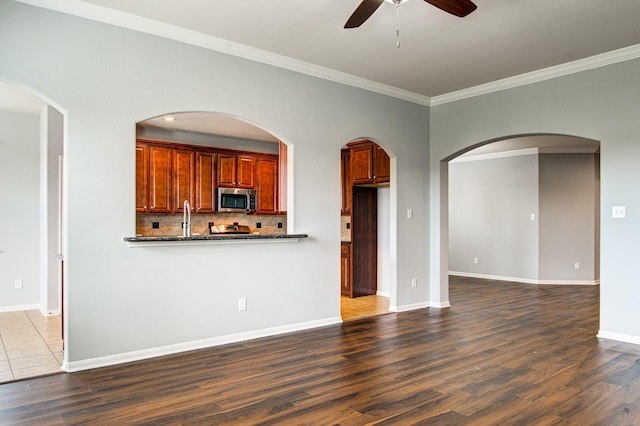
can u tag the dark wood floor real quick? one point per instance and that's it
(503, 354)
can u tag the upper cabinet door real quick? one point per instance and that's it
(184, 171)
(361, 163)
(369, 163)
(159, 180)
(246, 172)
(267, 185)
(142, 177)
(205, 182)
(382, 166)
(227, 170)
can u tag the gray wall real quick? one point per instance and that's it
(125, 303)
(600, 104)
(568, 217)
(490, 206)
(490, 203)
(19, 209)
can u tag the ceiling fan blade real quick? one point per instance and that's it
(363, 12)
(459, 8)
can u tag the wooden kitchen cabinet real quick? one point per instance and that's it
(381, 165)
(205, 182)
(345, 181)
(370, 164)
(266, 185)
(236, 171)
(142, 178)
(169, 173)
(159, 186)
(184, 174)
(246, 172)
(227, 170)
(361, 157)
(346, 289)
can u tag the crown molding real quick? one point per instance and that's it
(137, 23)
(133, 22)
(597, 61)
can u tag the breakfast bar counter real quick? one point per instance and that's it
(140, 241)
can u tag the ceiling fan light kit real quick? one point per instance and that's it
(459, 8)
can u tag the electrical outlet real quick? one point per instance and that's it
(414, 283)
(619, 212)
(475, 260)
(242, 304)
(18, 283)
(576, 265)
(155, 225)
(409, 214)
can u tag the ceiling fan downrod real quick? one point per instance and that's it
(397, 3)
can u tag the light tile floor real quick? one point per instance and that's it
(30, 345)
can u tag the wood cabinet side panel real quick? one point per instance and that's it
(142, 178)
(346, 181)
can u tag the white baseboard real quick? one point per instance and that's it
(440, 305)
(19, 308)
(383, 293)
(410, 307)
(619, 337)
(523, 280)
(105, 361)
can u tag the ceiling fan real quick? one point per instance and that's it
(460, 8)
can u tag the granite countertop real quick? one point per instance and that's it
(220, 238)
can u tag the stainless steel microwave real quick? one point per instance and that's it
(237, 200)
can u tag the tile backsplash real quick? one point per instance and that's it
(345, 228)
(171, 224)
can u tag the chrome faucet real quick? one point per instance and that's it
(186, 219)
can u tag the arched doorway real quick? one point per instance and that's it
(524, 209)
(367, 281)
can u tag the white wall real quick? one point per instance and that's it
(490, 204)
(122, 303)
(51, 141)
(600, 104)
(19, 208)
(384, 241)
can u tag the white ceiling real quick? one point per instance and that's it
(439, 53)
